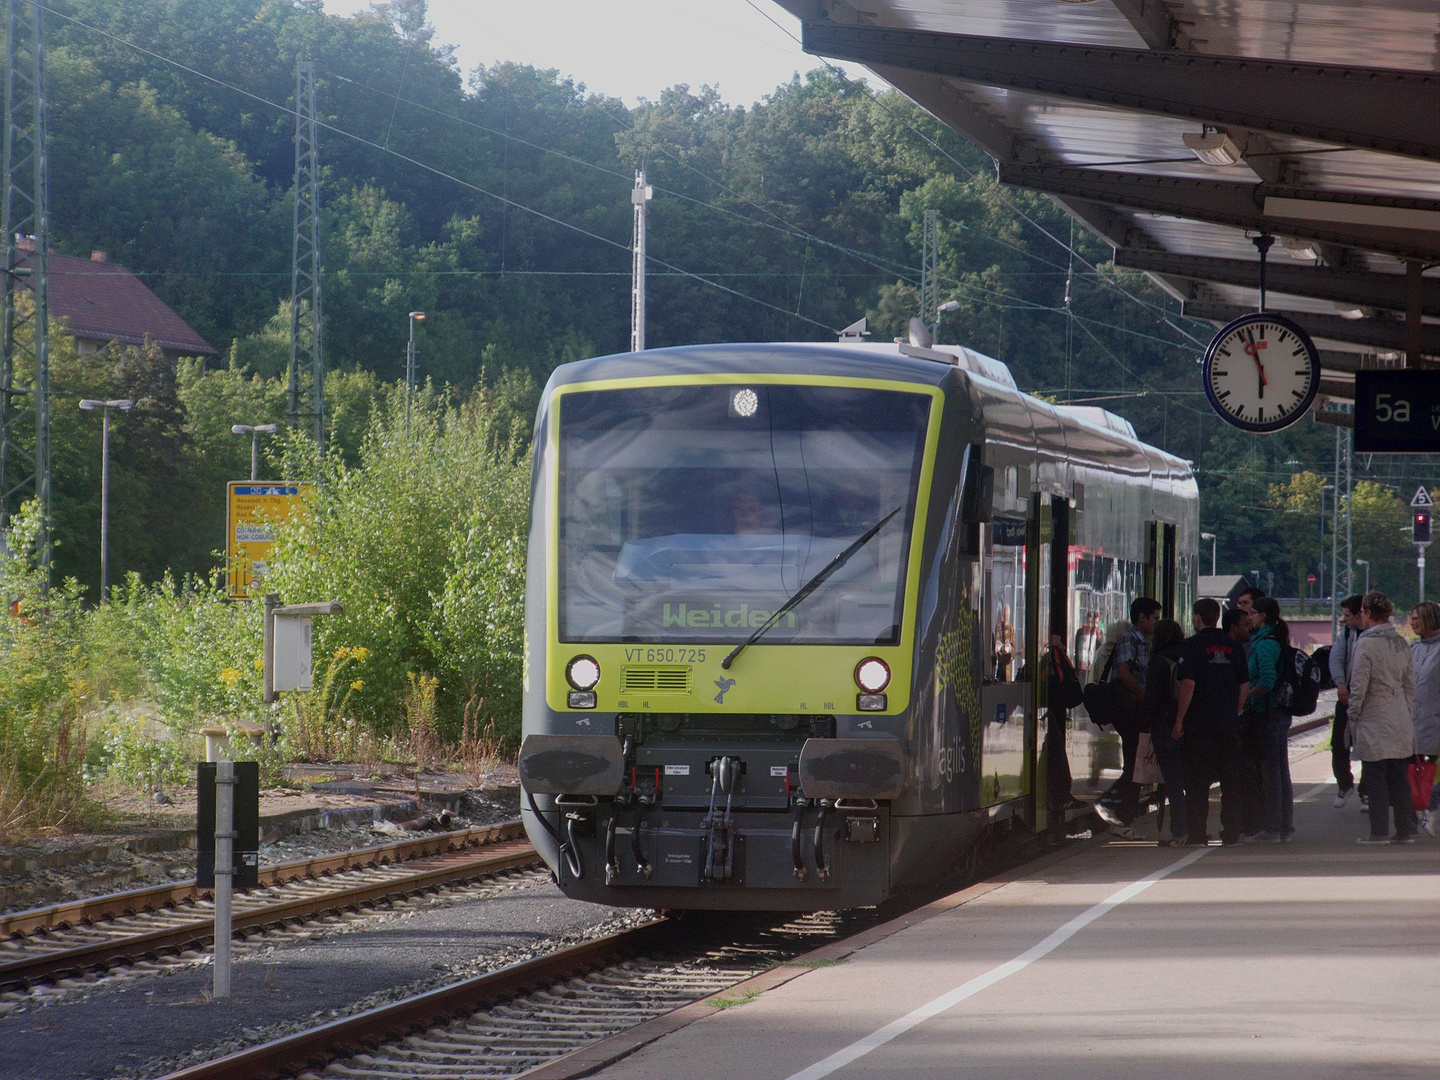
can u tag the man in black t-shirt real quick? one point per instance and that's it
(1214, 679)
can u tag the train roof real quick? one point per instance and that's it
(1100, 432)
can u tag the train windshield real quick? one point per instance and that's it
(692, 513)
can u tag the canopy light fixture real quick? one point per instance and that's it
(1213, 147)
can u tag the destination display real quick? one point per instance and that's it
(1397, 412)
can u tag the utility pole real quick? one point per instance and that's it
(305, 262)
(640, 195)
(1335, 547)
(1350, 511)
(929, 273)
(25, 235)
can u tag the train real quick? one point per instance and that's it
(785, 608)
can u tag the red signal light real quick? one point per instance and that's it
(1420, 527)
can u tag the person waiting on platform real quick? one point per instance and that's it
(1425, 654)
(1157, 718)
(1269, 636)
(1341, 655)
(1214, 683)
(1382, 728)
(1120, 804)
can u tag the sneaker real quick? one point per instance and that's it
(1108, 815)
(1342, 797)
(1429, 825)
(1288, 838)
(1373, 840)
(1194, 841)
(1423, 821)
(1162, 841)
(1408, 838)
(1259, 838)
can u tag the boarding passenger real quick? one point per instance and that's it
(1157, 718)
(1120, 804)
(1113, 633)
(1063, 694)
(1382, 728)
(1087, 640)
(1341, 653)
(1269, 636)
(1214, 682)
(1425, 654)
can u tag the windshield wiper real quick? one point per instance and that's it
(809, 587)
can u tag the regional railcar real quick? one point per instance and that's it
(771, 596)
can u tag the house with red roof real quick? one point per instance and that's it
(104, 302)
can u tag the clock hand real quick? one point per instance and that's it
(1254, 350)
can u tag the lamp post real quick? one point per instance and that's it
(1365, 563)
(415, 316)
(1214, 543)
(944, 309)
(124, 405)
(254, 431)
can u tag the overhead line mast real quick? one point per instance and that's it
(305, 262)
(25, 221)
(639, 196)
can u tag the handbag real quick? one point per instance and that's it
(1147, 766)
(1422, 781)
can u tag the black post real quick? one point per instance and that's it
(1263, 242)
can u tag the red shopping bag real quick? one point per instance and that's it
(1422, 779)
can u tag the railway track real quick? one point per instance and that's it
(61, 940)
(517, 1018)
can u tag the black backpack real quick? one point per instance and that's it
(1300, 678)
(1321, 656)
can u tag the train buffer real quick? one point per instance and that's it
(1109, 960)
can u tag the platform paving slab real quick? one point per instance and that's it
(1315, 959)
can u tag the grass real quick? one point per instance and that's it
(743, 998)
(816, 963)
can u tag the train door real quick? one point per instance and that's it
(1006, 699)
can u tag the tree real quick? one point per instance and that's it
(1299, 502)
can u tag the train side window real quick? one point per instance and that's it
(1005, 600)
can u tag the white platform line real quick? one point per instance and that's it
(896, 1028)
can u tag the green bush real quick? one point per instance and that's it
(423, 541)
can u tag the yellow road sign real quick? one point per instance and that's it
(252, 513)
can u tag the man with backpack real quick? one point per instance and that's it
(1342, 655)
(1120, 804)
(1213, 685)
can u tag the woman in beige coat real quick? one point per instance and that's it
(1382, 727)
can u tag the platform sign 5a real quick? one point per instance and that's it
(1397, 412)
(252, 512)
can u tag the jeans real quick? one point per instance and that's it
(1211, 756)
(1435, 790)
(1386, 784)
(1058, 781)
(1170, 756)
(1276, 791)
(1340, 749)
(1124, 793)
(1248, 775)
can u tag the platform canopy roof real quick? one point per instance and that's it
(1329, 108)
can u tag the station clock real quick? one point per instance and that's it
(1262, 372)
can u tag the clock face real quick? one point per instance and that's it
(1262, 372)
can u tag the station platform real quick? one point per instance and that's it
(1120, 959)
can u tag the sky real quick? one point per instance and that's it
(629, 49)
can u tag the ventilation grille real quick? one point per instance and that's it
(655, 680)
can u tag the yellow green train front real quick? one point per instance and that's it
(680, 498)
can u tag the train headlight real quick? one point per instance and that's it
(872, 675)
(583, 673)
(745, 402)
